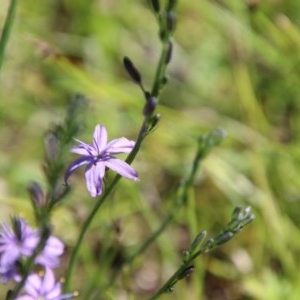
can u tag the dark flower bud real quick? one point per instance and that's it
(171, 21)
(223, 238)
(155, 5)
(51, 146)
(186, 272)
(236, 213)
(169, 53)
(150, 105)
(17, 227)
(37, 195)
(198, 240)
(132, 70)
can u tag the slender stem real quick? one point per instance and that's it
(7, 29)
(161, 69)
(179, 201)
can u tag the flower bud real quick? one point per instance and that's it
(132, 70)
(37, 195)
(223, 238)
(150, 105)
(186, 272)
(199, 239)
(171, 21)
(169, 53)
(51, 146)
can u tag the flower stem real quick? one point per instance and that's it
(97, 206)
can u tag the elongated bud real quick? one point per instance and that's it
(169, 53)
(132, 70)
(37, 195)
(150, 105)
(171, 21)
(52, 146)
(223, 238)
(236, 213)
(17, 227)
(186, 272)
(198, 240)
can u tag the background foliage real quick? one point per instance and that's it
(235, 66)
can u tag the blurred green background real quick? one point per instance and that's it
(236, 65)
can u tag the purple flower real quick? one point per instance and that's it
(20, 242)
(43, 287)
(98, 156)
(15, 244)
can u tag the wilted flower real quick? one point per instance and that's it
(43, 287)
(100, 155)
(20, 242)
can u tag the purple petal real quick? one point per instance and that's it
(53, 249)
(30, 243)
(10, 256)
(100, 138)
(33, 285)
(121, 145)
(122, 168)
(25, 297)
(54, 246)
(83, 149)
(48, 282)
(94, 175)
(55, 293)
(76, 164)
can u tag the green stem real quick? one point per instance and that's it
(179, 201)
(161, 70)
(7, 29)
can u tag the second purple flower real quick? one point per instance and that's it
(100, 155)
